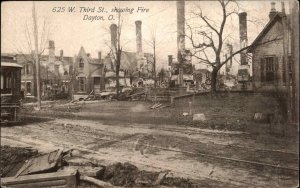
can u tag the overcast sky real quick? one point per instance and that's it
(70, 31)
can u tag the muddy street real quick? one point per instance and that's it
(220, 158)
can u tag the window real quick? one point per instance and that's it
(66, 73)
(28, 68)
(269, 69)
(7, 82)
(81, 63)
(82, 81)
(28, 87)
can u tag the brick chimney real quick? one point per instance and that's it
(243, 36)
(138, 26)
(180, 25)
(51, 51)
(273, 11)
(180, 37)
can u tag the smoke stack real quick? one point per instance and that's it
(180, 38)
(273, 11)
(180, 25)
(51, 51)
(243, 36)
(138, 25)
(113, 33)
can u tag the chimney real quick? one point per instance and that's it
(180, 25)
(61, 54)
(273, 11)
(138, 26)
(99, 56)
(113, 34)
(180, 37)
(243, 36)
(51, 51)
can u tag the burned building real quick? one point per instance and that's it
(182, 70)
(54, 72)
(269, 67)
(134, 67)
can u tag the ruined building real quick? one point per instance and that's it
(135, 66)
(54, 72)
(182, 71)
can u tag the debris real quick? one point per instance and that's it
(57, 179)
(12, 159)
(90, 171)
(199, 117)
(49, 162)
(156, 105)
(96, 182)
(121, 174)
(160, 177)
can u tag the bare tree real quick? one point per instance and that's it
(35, 45)
(208, 42)
(153, 44)
(116, 52)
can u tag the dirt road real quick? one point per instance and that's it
(213, 158)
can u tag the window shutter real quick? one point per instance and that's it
(262, 70)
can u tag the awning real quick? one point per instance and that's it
(10, 64)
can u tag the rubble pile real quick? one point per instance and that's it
(57, 168)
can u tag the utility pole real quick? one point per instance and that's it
(286, 61)
(294, 9)
(36, 54)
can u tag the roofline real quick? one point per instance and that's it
(263, 32)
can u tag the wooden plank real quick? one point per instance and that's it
(61, 179)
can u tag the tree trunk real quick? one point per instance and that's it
(154, 66)
(214, 76)
(37, 58)
(118, 62)
(117, 80)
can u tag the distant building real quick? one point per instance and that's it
(267, 57)
(88, 73)
(54, 72)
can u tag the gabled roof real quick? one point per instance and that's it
(87, 58)
(265, 30)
